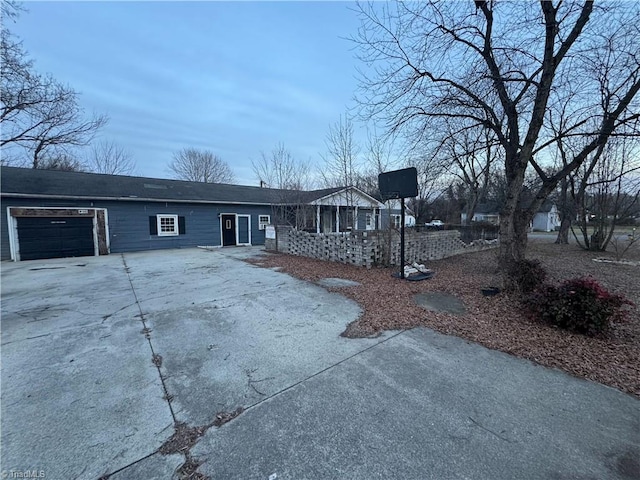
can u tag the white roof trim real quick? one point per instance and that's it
(321, 201)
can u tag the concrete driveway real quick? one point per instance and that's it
(103, 357)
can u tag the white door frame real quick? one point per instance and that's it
(236, 215)
(248, 217)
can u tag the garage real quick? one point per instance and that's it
(36, 233)
(55, 237)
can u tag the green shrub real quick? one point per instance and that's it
(527, 275)
(580, 305)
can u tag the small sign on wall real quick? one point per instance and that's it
(270, 232)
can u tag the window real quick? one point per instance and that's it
(395, 221)
(263, 221)
(167, 225)
(369, 217)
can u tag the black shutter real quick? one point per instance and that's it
(153, 225)
(181, 227)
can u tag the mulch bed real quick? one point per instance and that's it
(496, 322)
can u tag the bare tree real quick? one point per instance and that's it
(606, 189)
(38, 113)
(340, 166)
(377, 158)
(110, 158)
(64, 162)
(468, 154)
(279, 169)
(9, 10)
(502, 65)
(200, 166)
(432, 183)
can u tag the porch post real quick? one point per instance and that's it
(318, 219)
(337, 218)
(355, 218)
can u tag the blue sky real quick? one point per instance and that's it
(232, 77)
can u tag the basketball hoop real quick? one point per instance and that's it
(399, 184)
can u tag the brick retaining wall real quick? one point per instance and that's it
(370, 248)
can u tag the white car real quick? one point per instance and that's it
(435, 223)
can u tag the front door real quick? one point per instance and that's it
(328, 220)
(371, 221)
(244, 230)
(228, 230)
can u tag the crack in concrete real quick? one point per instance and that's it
(262, 400)
(489, 430)
(189, 468)
(148, 337)
(107, 475)
(251, 381)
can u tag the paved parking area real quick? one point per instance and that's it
(102, 357)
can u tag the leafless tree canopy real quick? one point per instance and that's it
(9, 10)
(200, 166)
(507, 67)
(605, 190)
(279, 169)
(110, 158)
(38, 113)
(341, 164)
(64, 162)
(468, 155)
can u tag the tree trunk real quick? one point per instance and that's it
(514, 223)
(471, 208)
(565, 214)
(513, 239)
(563, 233)
(513, 245)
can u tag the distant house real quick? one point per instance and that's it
(485, 212)
(50, 213)
(546, 220)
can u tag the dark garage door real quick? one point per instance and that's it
(55, 237)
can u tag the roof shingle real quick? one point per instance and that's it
(61, 184)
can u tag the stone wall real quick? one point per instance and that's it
(371, 248)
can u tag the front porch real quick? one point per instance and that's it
(336, 218)
(346, 210)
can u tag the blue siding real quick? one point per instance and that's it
(243, 230)
(128, 222)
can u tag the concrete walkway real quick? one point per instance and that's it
(102, 357)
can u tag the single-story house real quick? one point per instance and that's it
(547, 219)
(484, 212)
(52, 213)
